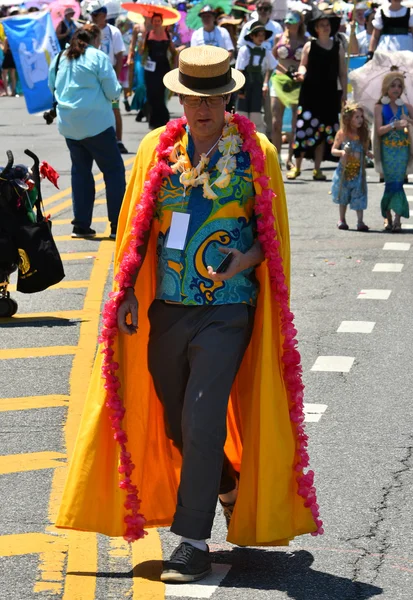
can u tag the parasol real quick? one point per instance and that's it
(140, 19)
(367, 80)
(149, 7)
(136, 18)
(193, 20)
(57, 10)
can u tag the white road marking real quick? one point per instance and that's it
(203, 589)
(338, 364)
(396, 246)
(411, 212)
(374, 295)
(388, 268)
(356, 327)
(314, 412)
(312, 418)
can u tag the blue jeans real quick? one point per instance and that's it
(102, 148)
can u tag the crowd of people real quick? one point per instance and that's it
(295, 69)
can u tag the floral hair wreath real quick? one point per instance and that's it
(351, 107)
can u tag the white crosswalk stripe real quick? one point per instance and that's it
(356, 327)
(388, 268)
(374, 295)
(201, 589)
(338, 364)
(402, 246)
(314, 412)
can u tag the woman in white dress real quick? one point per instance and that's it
(393, 26)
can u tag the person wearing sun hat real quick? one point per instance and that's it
(263, 10)
(321, 68)
(257, 64)
(196, 393)
(66, 28)
(210, 34)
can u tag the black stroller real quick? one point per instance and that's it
(26, 241)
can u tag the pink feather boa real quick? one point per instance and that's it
(267, 235)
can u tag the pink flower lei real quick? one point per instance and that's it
(267, 235)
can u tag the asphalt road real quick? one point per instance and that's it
(360, 418)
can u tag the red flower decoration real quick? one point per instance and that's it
(47, 172)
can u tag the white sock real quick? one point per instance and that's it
(200, 544)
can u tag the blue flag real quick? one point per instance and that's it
(34, 44)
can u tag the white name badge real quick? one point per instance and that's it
(150, 65)
(178, 231)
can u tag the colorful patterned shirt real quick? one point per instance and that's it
(227, 221)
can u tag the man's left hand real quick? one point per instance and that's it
(238, 263)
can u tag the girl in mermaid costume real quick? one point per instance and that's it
(349, 181)
(393, 148)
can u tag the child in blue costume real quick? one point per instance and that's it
(393, 148)
(349, 181)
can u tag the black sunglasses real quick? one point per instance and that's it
(264, 9)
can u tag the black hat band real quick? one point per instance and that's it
(205, 83)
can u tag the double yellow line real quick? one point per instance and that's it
(53, 210)
(82, 559)
(77, 578)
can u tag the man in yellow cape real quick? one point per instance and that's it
(127, 416)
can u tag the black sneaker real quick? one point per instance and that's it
(122, 148)
(127, 105)
(187, 563)
(80, 232)
(113, 229)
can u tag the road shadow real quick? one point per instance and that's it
(254, 569)
(290, 573)
(13, 323)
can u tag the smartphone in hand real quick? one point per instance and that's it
(224, 264)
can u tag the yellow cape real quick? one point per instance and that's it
(261, 439)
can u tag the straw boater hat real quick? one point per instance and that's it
(204, 71)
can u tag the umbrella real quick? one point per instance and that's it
(140, 19)
(149, 7)
(367, 80)
(135, 18)
(193, 20)
(57, 10)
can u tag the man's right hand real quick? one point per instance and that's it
(128, 306)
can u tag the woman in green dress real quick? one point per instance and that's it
(393, 148)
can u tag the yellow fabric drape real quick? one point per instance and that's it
(261, 440)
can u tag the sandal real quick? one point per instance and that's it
(362, 227)
(227, 509)
(396, 227)
(342, 225)
(318, 175)
(388, 225)
(290, 165)
(293, 173)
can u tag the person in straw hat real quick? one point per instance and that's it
(196, 393)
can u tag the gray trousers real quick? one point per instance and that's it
(194, 354)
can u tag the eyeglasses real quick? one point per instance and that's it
(264, 9)
(210, 101)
